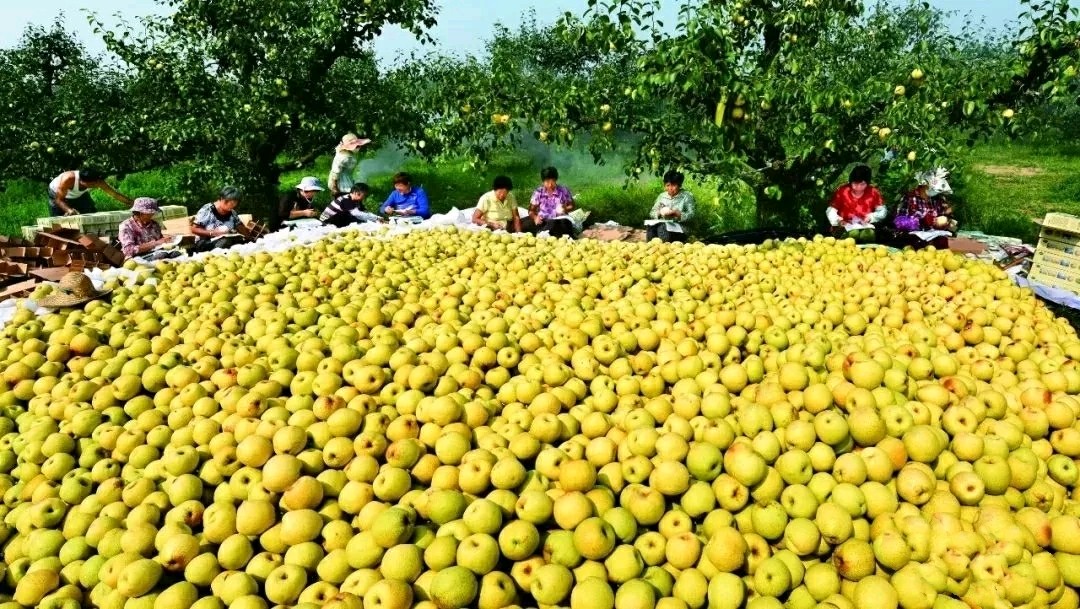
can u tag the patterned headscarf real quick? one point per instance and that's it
(936, 181)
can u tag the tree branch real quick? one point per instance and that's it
(303, 161)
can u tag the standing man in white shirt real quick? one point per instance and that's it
(69, 192)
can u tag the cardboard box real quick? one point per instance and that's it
(1059, 222)
(962, 245)
(114, 256)
(52, 273)
(1055, 276)
(19, 290)
(60, 231)
(182, 226)
(13, 268)
(57, 242)
(1058, 242)
(252, 230)
(178, 226)
(1061, 284)
(94, 244)
(1057, 258)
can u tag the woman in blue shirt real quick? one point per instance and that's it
(406, 200)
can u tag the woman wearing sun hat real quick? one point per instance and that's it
(343, 169)
(299, 203)
(75, 289)
(141, 233)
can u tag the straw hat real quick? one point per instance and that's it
(75, 289)
(350, 142)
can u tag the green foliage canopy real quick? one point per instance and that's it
(779, 96)
(238, 90)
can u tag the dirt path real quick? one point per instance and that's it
(1010, 171)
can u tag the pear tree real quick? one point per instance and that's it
(773, 97)
(783, 95)
(62, 108)
(239, 91)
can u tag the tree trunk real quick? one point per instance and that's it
(263, 178)
(786, 211)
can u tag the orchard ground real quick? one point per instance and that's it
(1008, 184)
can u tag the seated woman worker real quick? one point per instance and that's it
(406, 200)
(549, 205)
(299, 203)
(497, 209)
(925, 216)
(671, 208)
(216, 220)
(856, 206)
(141, 234)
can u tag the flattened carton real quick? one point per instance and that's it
(1066, 223)
(171, 212)
(1060, 232)
(1066, 259)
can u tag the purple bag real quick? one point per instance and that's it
(906, 223)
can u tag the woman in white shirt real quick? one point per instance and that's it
(344, 168)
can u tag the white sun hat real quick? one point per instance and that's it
(309, 183)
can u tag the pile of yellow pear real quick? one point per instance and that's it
(449, 419)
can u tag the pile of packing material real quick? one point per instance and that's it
(612, 231)
(1057, 256)
(103, 224)
(53, 252)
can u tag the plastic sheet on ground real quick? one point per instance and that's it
(997, 248)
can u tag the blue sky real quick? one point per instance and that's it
(463, 24)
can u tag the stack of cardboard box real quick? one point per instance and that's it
(1057, 257)
(53, 252)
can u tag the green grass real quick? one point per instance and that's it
(1010, 184)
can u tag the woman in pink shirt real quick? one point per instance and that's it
(141, 234)
(548, 206)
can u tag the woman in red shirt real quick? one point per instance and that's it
(856, 206)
